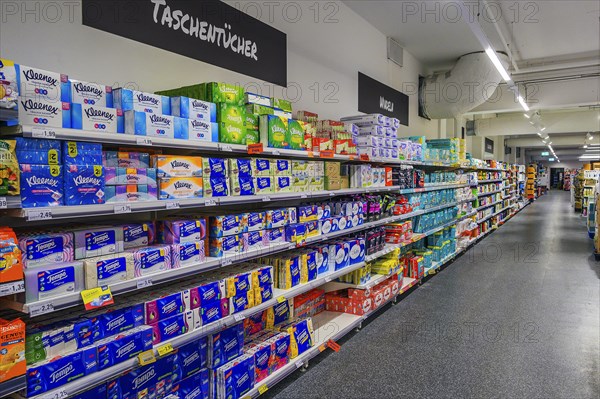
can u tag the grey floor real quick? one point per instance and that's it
(515, 317)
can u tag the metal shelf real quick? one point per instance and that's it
(490, 193)
(467, 200)
(12, 287)
(8, 115)
(488, 205)
(490, 181)
(492, 215)
(11, 386)
(468, 215)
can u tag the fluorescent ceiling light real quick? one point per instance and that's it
(543, 128)
(523, 103)
(496, 61)
(551, 159)
(590, 157)
(527, 116)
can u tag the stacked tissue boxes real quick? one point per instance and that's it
(376, 135)
(129, 177)
(178, 176)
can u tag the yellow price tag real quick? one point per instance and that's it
(165, 349)
(97, 297)
(146, 357)
(262, 389)
(281, 299)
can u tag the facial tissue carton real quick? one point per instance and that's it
(274, 131)
(84, 185)
(42, 85)
(154, 125)
(91, 94)
(132, 100)
(191, 108)
(41, 185)
(97, 119)
(44, 113)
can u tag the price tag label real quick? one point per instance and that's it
(226, 147)
(172, 205)
(299, 364)
(39, 214)
(238, 317)
(266, 199)
(144, 141)
(165, 349)
(3, 203)
(262, 389)
(125, 208)
(61, 394)
(303, 196)
(322, 348)
(39, 133)
(256, 148)
(210, 202)
(327, 154)
(147, 282)
(281, 299)
(333, 345)
(364, 157)
(37, 310)
(332, 194)
(96, 298)
(276, 152)
(146, 357)
(226, 262)
(328, 279)
(12, 288)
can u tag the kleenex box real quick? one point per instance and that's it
(44, 113)
(98, 241)
(96, 118)
(91, 94)
(84, 184)
(199, 130)
(131, 100)
(153, 125)
(41, 185)
(191, 108)
(42, 85)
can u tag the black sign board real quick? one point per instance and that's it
(207, 30)
(489, 145)
(376, 98)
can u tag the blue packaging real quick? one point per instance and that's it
(240, 167)
(261, 167)
(322, 260)
(41, 185)
(215, 186)
(276, 218)
(308, 213)
(174, 326)
(282, 312)
(236, 378)
(51, 375)
(84, 184)
(242, 185)
(98, 241)
(356, 251)
(191, 108)
(196, 386)
(256, 221)
(191, 358)
(187, 254)
(210, 292)
(214, 167)
(83, 330)
(73, 150)
(138, 234)
(39, 157)
(27, 144)
(296, 233)
(276, 235)
(167, 306)
(263, 276)
(98, 392)
(301, 336)
(137, 380)
(91, 94)
(154, 125)
(128, 100)
(281, 352)
(226, 225)
(213, 311)
(241, 302)
(94, 118)
(116, 321)
(311, 264)
(339, 255)
(283, 167)
(226, 345)
(114, 350)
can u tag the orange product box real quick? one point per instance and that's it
(12, 349)
(322, 144)
(11, 268)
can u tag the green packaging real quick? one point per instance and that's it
(284, 105)
(258, 109)
(274, 131)
(251, 121)
(232, 133)
(296, 135)
(231, 114)
(252, 136)
(194, 91)
(224, 93)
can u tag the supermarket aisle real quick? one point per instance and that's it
(517, 316)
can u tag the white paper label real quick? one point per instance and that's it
(54, 395)
(39, 214)
(226, 147)
(3, 203)
(43, 133)
(37, 310)
(172, 205)
(147, 282)
(12, 288)
(226, 262)
(238, 317)
(266, 199)
(144, 141)
(210, 202)
(125, 208)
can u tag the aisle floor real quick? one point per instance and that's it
(517, 316)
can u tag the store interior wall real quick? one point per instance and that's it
(564, 164)
(326, 49)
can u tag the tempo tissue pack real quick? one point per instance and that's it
(51, 281)
(181, 231)
(151, 260)
(117, 349)
(98, 241)
(138, 235)
(189, 253)
(46, 249)
(108, 269)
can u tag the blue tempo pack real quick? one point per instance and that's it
(138, 234)
(213, 311)
(276, 235)
(191, 108)
(51, 375)
(236, 378)
(129, 100)
(241, 302)
(98, 392)
(243, 186)
(116, 321)
(266, 293)
(96, 118)
(301, 336)
(41, 185)
(210, 292)
(241, 167)
(175, 326)
(282, 350)
(225, 345)
(261, 167)
(143, 379)
(216, 186)
(191, 358)
(281, 312)
(263, 276)
(167, 306)
(196, 386)
(283, 167)
(214, 167)
(226, 225)
(117, 349)
(84, 184)
(311, 264)
(83, 330)
(39, 157)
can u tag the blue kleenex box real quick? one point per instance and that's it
(196, 386)
(191, 108)
(81, 153)
(26, 144)
(132, 100)
(63, 370)
(154, 125)
(191, 358)
(226, 345)
(114, 350)
(84, 185)
(119, 320)
(39, 157)
(41, 185)
(95, 118)
(198, 130)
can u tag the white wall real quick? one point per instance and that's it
(564, 164)
(323, 55)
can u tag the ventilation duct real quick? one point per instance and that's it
(471, 82)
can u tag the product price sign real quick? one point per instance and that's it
(147, 282)
(591, 174)
(364, 157)
(3, 203)
(144, 141)
(146, 357)
(125, 208)
(39, 214)
(38, 310)
(227, 148)
(96, 298)
(262, 389)
(173, 205)
(40, 133)
(266, 199)
(12, 288)
(327, 154)
(226, 262)
(333, 345)
(210, 202)
(238, 317)
(256, 148)
(165, 349)
(60, 394)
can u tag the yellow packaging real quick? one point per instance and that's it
(12, 354)
(9, 168)
(177, 166)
